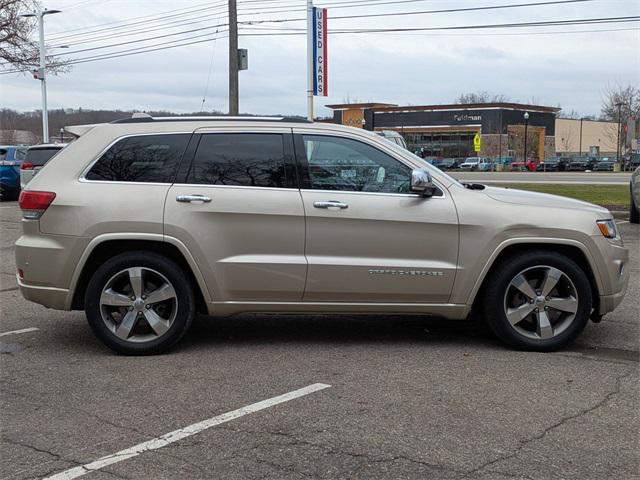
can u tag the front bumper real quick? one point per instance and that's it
(614, 270)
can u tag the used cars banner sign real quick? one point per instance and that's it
(320, 51)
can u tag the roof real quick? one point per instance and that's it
(469, 106)
(347, 106)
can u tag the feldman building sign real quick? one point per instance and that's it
(467, 118)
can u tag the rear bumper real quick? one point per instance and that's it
(50, 297)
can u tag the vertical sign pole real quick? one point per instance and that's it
(310, 60)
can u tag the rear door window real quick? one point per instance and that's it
(241, 159)
(144, 158)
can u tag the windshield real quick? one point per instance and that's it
(40, 156)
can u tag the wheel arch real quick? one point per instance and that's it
(101, 249)
(574, 250)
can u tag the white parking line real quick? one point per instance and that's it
(181, 433)
(23, 330)
(622, 221)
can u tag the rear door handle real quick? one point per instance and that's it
(330, 204)
(193, 199)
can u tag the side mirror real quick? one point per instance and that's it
(421, 183)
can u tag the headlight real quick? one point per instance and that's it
(608, 228)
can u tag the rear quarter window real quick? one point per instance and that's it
(144, 158)
(39, 156)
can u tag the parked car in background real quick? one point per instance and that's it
(549, 165)
(529, 166)
(10, 159)
(634, 189)
(604, 165)
(36, 158)
(145, 222)
(446, 163)
(632, 161)
(394, 137)
(580, 164)
(479, 164)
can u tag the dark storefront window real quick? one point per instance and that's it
(441, 144)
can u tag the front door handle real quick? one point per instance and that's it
(193, 199)
(330, 204)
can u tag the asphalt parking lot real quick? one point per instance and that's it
(382, 397)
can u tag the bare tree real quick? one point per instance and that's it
(619, 104)
(628, 97)
(566, 139)
(17, 49)
(481, 97)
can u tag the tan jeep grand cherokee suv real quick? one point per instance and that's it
(145, 221)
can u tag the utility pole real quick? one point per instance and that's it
(233, 58)
(42, 71)
(310, 71)
(580, 146)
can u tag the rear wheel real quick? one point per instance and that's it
(139, 303)
(538, 301)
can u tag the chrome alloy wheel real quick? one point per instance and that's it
(138, 304)
(541, 302)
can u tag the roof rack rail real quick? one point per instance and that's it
(146, 118)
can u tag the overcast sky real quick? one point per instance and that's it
(567, 69)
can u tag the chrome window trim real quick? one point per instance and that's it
(244, 187)
(82, 178)
(385, 194)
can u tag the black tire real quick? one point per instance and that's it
(496, 288)
(184, 302)
(634, 214)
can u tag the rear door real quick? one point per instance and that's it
(369, 239)
(237, 208)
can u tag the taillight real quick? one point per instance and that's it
(33, 203)
(26, 166)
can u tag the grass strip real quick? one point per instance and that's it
(613, 197)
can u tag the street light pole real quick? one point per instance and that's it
(42, 71)
(526, 124)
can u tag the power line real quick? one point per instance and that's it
(128, 23)
(140, 40)
(206, 88)
(424, 12)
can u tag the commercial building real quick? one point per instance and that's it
(449, 130)
(586, 137)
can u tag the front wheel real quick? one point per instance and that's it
(538, 301)
(139, 303)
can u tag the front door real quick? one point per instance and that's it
(238, 210)
(369, 239)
